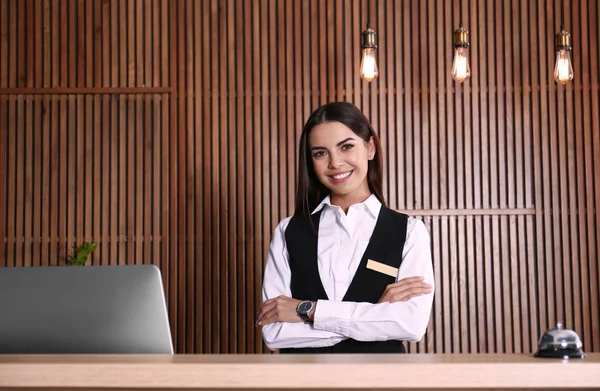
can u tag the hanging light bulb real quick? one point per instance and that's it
(563, 69)
(460, 66)
(368, 64)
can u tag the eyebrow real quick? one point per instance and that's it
(338, 144)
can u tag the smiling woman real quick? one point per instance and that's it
(344, 274)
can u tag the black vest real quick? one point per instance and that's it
(385, 246)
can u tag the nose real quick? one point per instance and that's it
(335, 160)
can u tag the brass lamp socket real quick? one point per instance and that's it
(369, 39)
(461, 37)
(563, 40)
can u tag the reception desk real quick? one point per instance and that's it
(286, 372)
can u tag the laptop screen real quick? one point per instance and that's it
(83, 310)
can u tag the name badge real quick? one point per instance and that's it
(382, 268)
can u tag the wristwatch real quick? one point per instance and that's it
(303, 309)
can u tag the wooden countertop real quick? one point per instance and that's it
(410, 371)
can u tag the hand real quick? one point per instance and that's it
(279, 309)
(405, 289)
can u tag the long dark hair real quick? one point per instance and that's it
(310, 191)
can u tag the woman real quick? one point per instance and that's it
(344, 274)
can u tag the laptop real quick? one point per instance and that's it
(83, 310)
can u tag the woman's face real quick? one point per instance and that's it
(341, 160)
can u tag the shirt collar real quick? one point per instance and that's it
(372, 203)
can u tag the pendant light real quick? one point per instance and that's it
(563, 69)
(461, 70)
(368, 63)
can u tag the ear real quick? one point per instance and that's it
(371, 148)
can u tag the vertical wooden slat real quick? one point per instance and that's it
(63, 70)
(437, 159)
(145, 9)
(4, 59)
(128, 14)
(570, 209)
(95, 44)
(36, 61)
(29, 43)
(96, 148)
(122, 135)
(249, 55)
(231, 188)
(85, 139)
(116, 44)
(148, 132)
(190, 190)
(270, 149)
(155, 216)
(529, 300)
(108, 157)
(392, 173)
(87, 41)
(591, 141)
(46, 55)
(54, 162)
(510, 135)
(11, 144)
(79, 169)
(3, 174)
(73, 198)
(555, 278)
(196, 164)
(206, 192)
(242, 322)
(169, 249)
(63, 244)
(13, 44)
(594, 33)
(26, 150)
(137, 50)
(36, 179)
(167, 245)
(155, 47)
(115, 155)
(173, 175)
(140, 195)
(128, 165)
(56, 39)
(444, 286)
(78, 35)
(546, 166)
(538, 177)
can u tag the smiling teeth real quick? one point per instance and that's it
(341, 176)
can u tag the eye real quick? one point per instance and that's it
(318, 154)
(347, 147)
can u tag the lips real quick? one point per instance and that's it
(341, 176)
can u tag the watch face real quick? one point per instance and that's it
(305, 307)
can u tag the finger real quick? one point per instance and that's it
(405, 281)
(412, 279)
(271, 316)
(397, 289)
(402, 292)
(266, 307)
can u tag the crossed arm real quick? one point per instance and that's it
(402, 312)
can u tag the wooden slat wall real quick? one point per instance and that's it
(167, 132)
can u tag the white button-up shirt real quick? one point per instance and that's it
(342, 241)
